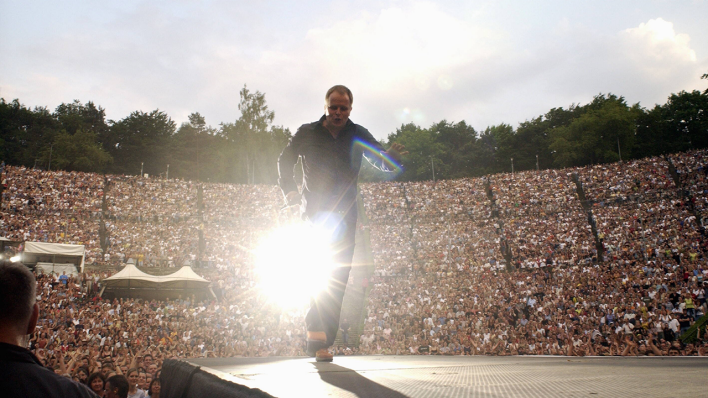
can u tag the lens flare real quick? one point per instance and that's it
(385, 162)
(294, 263)
(444, 82)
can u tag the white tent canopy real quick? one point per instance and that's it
(131, 278)
(54, 253)
(185, 277)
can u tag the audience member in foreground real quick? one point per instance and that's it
(117, 387)
(23, 374)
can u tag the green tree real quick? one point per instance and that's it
(653, 135)
(458, 140)
(423, 152)
(198, 152)
(25, 133)
(532, 137)
(596, 136)
(503, 139)
(484, 158)
(255, 144)
(75, 116)
(141, 138)
(686, 120)
(78, 152)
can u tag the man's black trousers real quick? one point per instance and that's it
(326, 306)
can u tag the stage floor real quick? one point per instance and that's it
(436, 376)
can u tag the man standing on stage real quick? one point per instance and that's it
(331, 150)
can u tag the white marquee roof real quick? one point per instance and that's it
(132, 277)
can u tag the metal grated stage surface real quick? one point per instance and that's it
(434, 376)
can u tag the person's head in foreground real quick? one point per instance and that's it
(117, 387)
(18, 308)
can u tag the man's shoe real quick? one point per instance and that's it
(323, 355)
(316, 342)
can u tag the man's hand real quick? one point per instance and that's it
(292, 198)
(396, 151)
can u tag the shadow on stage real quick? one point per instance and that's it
(349, 380)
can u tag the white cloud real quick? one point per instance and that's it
(644, 64)
(656, 40)
(654, 61)
(398, 43)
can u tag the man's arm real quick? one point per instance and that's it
(286, 165)
(377, 155)
(653, 346)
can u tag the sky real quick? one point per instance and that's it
(484, 62)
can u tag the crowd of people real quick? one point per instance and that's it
(506, 264)
(84, 337)
(444, 286)
(154, 221)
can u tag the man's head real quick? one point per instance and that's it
(117, 387)
(338, 106)
(18, 309)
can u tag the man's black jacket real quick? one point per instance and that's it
(24, 376)
(330, 165)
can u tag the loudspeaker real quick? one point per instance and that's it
(181, 379)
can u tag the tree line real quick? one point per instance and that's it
(78, 137)
(606, 130)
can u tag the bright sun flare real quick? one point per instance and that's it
(294, 263)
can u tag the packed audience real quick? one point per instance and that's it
(79, 334)
(558, 299)
(501, 265)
